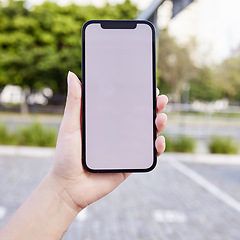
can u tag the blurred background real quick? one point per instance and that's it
(194, 191)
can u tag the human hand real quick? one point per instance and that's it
(68, 188)
(76, 186)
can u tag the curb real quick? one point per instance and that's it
(198, 158)
(33, 152)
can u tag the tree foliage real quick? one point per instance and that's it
(204, 86)
(227, 75)
(39, 46)
(176, 70)
(216, 82)
(175, 66)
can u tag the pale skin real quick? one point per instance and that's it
(68, 188)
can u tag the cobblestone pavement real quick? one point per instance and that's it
(165, 204)
(226, 178)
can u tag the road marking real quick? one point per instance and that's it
(169, 216)
(82, 216)
(204, 183)
(3, 212)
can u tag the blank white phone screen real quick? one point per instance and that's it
(119, 97)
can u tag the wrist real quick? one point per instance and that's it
(61, 189)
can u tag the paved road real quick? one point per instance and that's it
(177, 201)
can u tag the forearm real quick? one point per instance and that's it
(46, 214)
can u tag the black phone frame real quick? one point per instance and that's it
(118, 24)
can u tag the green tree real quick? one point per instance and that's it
(205, 87)
(39, 46)
(175, 66)
(227, 75)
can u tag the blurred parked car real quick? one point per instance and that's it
(12, 95)
(40, 97)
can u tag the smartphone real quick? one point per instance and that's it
(118, 96)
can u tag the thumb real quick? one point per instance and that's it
(72, 114)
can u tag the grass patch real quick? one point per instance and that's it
(225, 145)
(227, 115)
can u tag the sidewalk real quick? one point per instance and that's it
(202, 158)
(198, 158)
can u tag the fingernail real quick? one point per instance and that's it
(70, 79)
(163, 95)
(163, 138)
(164, 116)
(164, 143)
(166, 98)
(70, 74)
(157, 91)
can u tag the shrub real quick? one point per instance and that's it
(180, 144)
(225, 145)
(185, 144)
(37, 135)
(169, 144)
(3, 134)
(6, 138)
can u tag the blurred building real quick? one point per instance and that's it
(210, 28)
